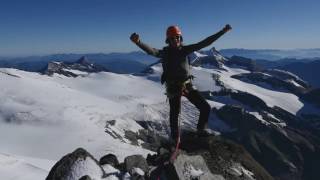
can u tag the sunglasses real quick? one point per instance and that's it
(175, 38)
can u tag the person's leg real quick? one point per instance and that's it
(175, 104)
(195, 98)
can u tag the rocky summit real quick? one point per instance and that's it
(206, 158)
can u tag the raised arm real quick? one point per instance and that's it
(151, 51)
(209, 40)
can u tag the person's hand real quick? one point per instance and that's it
(227, 28)
(135, 37)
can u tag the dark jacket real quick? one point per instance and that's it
(175, 63)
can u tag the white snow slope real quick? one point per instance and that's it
(286, 101)
(47, 117)
(43, 117)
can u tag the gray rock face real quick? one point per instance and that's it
(135, 161)
(208, 60)
(66, 68)
(76, 165)
(151, 140)
(285, 75)
(284, 151)
(247, 63)
(249, 99)
(223, 157)
(193, 167)
(109, 159)
(291, 83)
(313, 96)
(208, 158)
(59, 68)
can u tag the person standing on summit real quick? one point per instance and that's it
(176, 75)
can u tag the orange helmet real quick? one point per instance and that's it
(173, 31)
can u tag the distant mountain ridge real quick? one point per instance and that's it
(272, 54)
(73, 69)
(131, 62)
(297, 61)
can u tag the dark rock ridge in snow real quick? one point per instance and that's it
(286, 75)
(282, 142)
(246, 63)
(73, 69)
(208, 58)
(307, 69)
(288, 152)
(286, 145)
(279, 83)
(207, 158)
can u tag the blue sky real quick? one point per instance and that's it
(37, 27)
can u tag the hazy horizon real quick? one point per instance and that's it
(138, 50)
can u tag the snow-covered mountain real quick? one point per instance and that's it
(132, 62)
(73, 69)
(45, 117)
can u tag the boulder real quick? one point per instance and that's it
(135, 161)
(86, 177)
(76, 165)
(109, 159)
(193, 167)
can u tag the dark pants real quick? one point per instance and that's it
(175, 105)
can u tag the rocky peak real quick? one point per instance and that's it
(78, 68)
(208, 58)
(214, 52)
(84, 61)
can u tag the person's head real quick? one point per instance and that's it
(174, 36)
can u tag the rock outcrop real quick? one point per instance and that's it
(206, 158)
(246, 63)
(313, 96)
(273, 82)
(286, 151)
(74, 69)
(76, 165)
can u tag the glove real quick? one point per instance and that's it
(135, 38)
(227, 28)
